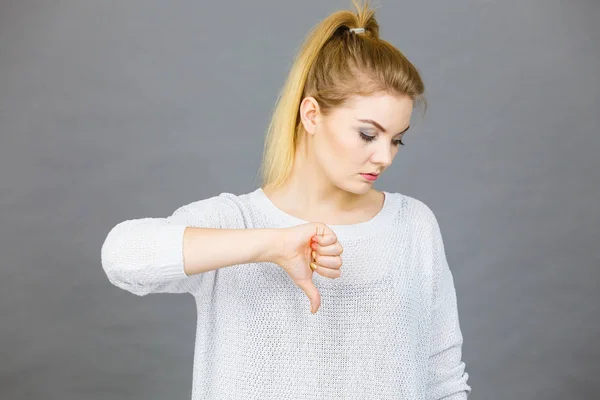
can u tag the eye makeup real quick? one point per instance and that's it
(370, 138)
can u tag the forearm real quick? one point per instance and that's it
(206, 249)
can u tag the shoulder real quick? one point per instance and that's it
(412, 209)
(224, 210)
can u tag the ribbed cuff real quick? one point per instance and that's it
(169, 252)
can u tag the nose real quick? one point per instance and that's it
(383, 155)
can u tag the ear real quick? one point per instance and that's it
(309, 112)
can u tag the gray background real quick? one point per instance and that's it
(114, 110)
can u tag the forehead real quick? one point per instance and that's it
(389, 110)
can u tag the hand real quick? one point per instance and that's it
(310, 243)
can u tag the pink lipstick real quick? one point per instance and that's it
(370, 177)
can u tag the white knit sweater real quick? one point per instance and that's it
(388, 328)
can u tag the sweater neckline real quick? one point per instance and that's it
(376, 222)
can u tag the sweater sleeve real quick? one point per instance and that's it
(145, 255)
(448, 377)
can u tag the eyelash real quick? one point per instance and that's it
(368, 138)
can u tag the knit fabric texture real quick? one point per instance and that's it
(387, 328)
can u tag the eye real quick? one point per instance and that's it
(367, 138)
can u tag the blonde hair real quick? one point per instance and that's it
(333, 64)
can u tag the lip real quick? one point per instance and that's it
(370, 177)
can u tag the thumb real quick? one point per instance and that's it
(311, 291)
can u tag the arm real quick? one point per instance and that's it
(448, 378)
(171, 255)
(207, 249)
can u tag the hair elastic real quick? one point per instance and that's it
(357, 30)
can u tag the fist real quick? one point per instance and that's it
(308, 248)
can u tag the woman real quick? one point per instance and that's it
(387, 326)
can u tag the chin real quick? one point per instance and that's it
(357, 188)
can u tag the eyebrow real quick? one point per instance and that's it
(378, 126)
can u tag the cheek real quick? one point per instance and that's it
(356, 150)
(348, 145)
(338, 150)
(344, 154)
(349, 156)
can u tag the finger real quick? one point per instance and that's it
(326, 239)
(328, 272)
(331, 262)
(332, 250)
(324, 234)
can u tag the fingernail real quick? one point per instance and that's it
(314, 254)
